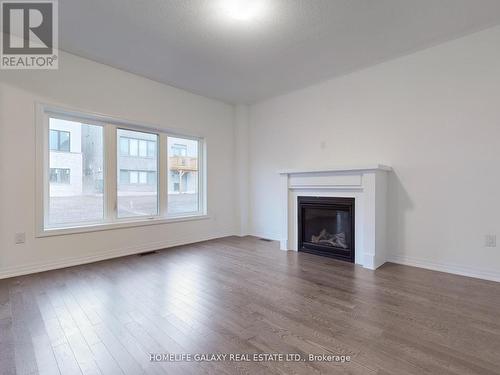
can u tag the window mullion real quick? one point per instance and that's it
(202, 182)
(163, 175)
(43, 152)
(110, 172)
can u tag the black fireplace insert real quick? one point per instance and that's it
(326, 227)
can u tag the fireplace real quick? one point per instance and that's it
(367, 184)
(326, 226)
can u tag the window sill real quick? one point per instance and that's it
(49, 232)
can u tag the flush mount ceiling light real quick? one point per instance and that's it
(243, 10)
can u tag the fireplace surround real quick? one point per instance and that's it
(326, 226)
(367, 184)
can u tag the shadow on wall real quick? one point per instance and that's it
(398, 205)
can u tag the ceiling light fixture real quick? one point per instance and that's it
(243, 10)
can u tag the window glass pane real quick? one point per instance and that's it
(134, 143)
(76, 178)
(179, 150)
(64, 138)
(123, 146)
(151, 149)
(53, 175)
(54, 140)
(152, 178)
(59, 176)
(183, 191)
(138, 198)
(134, 178)
(143, 149)
(65, 176)
(124, 177)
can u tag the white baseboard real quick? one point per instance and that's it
(449, 268)
(421, 263)
(372, 262)
(115, 253)
(283, 244)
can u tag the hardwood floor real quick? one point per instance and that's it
(236, 295)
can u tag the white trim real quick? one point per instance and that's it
(41, 139)
(448, 268)
(336, 188)
(110, 169)
(119, 224)
(162, 177)
(102, 255)
(202, 177)
(358, 168)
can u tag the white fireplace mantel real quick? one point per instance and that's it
(367, 184)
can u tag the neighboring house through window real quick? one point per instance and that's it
(60, 140)
(137, 147)
(179, 150)
(183, 186)
(59, 176)
(75, 173)
(138, 169)
(137, 177)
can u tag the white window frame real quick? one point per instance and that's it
(111, 148)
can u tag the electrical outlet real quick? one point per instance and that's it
(20, 238)
(490, 240)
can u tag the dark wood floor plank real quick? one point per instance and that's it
(23, 344)
(5, 310)
(117, 351)
(7, 352)
(44, 354)
(63, 353)
(244, 295)
(105, 361)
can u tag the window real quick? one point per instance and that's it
(59, 176)
(137, 147)
(99, 173)
(179, 150)
(124, 146)
(183, 188)
(134, 177)
(151, 149)
(59, 140)
(143, 149)
(174, 178)
(133, 145)
(75, 192)
(137, 177)
(137, 197)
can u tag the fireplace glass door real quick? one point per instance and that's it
(326, 226)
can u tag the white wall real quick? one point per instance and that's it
(87, 86)
(241, 141)
(434, 116)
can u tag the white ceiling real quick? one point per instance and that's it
(191, 45)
